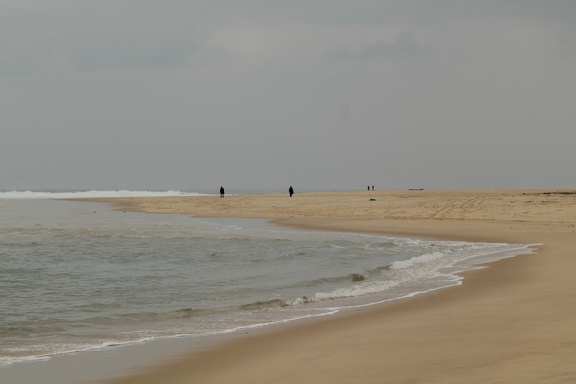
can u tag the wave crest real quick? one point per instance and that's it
(91, 194)
(274, 303)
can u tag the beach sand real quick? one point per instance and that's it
(513, 322)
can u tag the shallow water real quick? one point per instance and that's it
(78, 277)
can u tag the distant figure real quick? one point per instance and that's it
(291, 191)
(372, 187)
(368, 187)
(221, 192)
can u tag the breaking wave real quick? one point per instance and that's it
(91, 194)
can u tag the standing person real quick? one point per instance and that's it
(221, 191)
(291, 191)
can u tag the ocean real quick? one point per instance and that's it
(78, 277)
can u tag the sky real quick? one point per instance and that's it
(263, 94)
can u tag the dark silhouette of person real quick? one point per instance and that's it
(221, 191)
(372, 187)
(291, 191)
(368, 187)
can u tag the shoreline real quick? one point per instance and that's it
(510, 322)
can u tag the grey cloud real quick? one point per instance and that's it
(98, 35)
(319, 94)
(404, 43)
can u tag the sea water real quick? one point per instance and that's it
(78, 276)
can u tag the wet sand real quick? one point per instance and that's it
(513, 322)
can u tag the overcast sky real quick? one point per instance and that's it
(327, 94)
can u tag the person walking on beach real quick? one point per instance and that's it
(291, 191)
(221, 191)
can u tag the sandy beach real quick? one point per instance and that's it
(513, 322)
